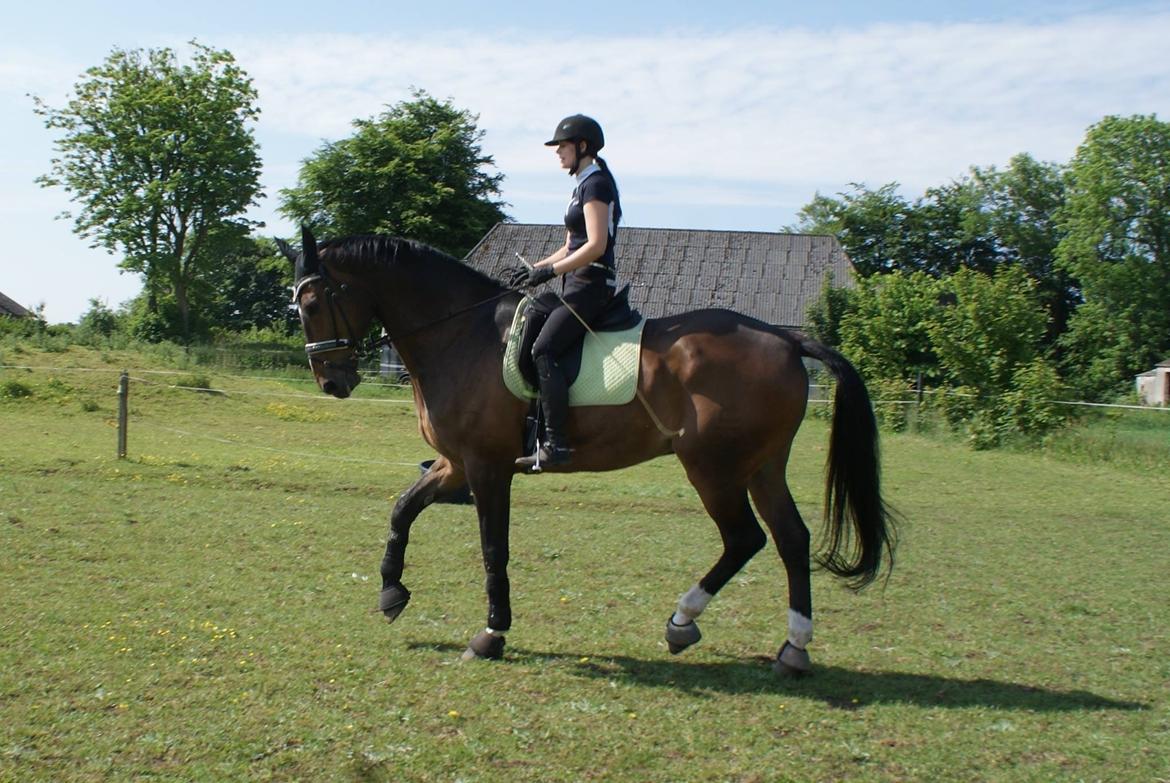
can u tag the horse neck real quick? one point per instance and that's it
(424, 301)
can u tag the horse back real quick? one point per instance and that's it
(726, 358)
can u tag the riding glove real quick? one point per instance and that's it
(540, 274)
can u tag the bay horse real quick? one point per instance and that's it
(731, 390)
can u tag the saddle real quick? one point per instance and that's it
(618, 316)
(601, 369)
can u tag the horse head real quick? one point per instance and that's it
(334, 316)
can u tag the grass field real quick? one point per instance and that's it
(204, 610)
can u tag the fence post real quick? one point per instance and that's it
(123, 395)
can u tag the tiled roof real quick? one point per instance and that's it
(10, 307)
(773, 277)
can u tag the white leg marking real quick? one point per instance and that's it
(691, 605)
(493, 632)
(799, 629)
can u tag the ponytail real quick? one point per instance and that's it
(617, 204)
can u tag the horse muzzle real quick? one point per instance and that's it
(338, 379)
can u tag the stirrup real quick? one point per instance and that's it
(544, 455)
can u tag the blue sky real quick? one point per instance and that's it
(718, 116)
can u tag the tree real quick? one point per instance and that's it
(824, 315)
(991, 327)
(1116, 219)
(949, 230)
(252, 288)
(98, 321)
(1022, 204)
(885, 330)
(160, 159)
(875, 226)
(416, 170)
(822, 215)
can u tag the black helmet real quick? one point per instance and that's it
(579, 128)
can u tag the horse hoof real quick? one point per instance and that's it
(484, 645)
(680, 637)
(792, 661)
(392, 601)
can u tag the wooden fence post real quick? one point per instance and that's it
(123, 395)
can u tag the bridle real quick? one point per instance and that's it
(332, 292)
(358, 350)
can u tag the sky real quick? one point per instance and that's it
(718, 116)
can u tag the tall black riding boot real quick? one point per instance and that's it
(554, 399)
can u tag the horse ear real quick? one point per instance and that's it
(286, 250)
(308, 250)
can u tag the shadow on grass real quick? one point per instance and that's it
(836, 686)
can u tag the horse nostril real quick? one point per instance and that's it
(329, 387)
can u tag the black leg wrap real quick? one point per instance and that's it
(499, 602)
(484, 645)
(392, 601)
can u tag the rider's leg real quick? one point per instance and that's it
(560, 331)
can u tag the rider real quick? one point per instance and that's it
(587, 269)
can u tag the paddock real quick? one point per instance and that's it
(206, 608)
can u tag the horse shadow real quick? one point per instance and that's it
(836, 686)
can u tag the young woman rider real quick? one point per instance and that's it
(585, 264)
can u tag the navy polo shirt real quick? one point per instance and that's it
(592, 185)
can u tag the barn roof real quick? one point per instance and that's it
(11, 308)
(773, 277)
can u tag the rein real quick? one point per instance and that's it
(361, 351)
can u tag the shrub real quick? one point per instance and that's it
(14, 390)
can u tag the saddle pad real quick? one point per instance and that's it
(609, 365)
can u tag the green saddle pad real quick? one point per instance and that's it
(609, 365)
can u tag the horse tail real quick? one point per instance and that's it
(859, 524)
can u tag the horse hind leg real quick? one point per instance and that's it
(742, 539)
(769, 491)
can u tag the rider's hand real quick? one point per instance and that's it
(540, 274)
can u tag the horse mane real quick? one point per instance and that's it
(370, 252)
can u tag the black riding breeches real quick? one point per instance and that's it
(562, 329)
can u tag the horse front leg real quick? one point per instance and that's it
(443, 480)
(492, 486)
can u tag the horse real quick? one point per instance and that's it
(723, 392)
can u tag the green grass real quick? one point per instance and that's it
(1129, 438)
(204, 610)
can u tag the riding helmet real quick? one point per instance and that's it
(578, 127)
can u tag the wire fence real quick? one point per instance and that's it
(237, 386)
(173, 380)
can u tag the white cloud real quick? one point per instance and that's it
(918, 103)
(710, 130)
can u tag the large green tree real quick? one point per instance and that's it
(251, 290)
(1116, 219)
(417, 170)
(161, 160)
(1022, 203)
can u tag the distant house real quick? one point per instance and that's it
(773, 277)
(1153, 387)
(11, 309)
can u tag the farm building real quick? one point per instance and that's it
(773, 277)
(11, 309)
(1153, 387)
